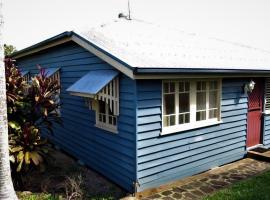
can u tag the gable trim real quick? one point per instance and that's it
(72, 36)
(119, 66)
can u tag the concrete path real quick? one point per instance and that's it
(198, 186)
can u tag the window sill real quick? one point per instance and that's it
(106, 128)
(186, 127)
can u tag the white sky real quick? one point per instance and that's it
(244, 21)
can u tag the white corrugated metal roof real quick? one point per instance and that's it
(145, 45)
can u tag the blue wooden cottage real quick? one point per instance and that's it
(145, 105)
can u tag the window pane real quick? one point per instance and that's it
(110, 119)
(169, 104)
(102, 107)
(213, 85)
(187, 86)
(201, 115)
(169, 120)
(213, 113)
(184, 102)
(166, 87)
(172, 87)
(114, 121)
(166, 121)
(201, 100)
(184, 118)
(181, 86)
(169, 87)
(201, 85)
(213, 99)
(172, 120)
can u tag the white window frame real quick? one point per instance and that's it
(193, 124)
(56, 77)
(106, 126)
(110, 96)
(267, 96)
(26, 78)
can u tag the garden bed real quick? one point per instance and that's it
(65, 178)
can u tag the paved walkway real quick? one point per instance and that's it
(198, 186)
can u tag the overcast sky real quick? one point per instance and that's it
(244, 21)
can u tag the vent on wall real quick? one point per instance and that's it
(267, 96)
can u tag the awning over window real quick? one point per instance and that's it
(92, 83)
(23, 73)
(51, 71)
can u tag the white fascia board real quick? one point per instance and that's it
(188, 76)
(64, 40)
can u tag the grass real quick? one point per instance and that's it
(256, 188)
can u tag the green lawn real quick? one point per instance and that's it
(256, 188)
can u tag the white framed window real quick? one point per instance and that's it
(106, 104)
(56, 77)
(26, 77)
(105, 119)
(267, 96)
(188, 104)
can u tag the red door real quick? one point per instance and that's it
(254, 116)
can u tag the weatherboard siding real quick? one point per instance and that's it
(165, 158)
(113, 155)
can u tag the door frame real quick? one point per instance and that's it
(263, 82)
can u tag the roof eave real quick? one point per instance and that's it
(48, 43)
(138, 71)
(174, 73)
(72, 36)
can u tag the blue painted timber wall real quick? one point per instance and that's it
(113, 155)
(161, 159)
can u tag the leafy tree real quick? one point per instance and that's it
(32, 110)
(9, 49)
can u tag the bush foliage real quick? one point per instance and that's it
(32, 111)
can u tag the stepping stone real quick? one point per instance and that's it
(166, 193)
(177, 196)
(156, 196)
(167, 198)
(221, 183)
(206, 189)
(191, 196)
(198, 193)
(178, 190)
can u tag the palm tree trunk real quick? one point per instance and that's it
(6, 187)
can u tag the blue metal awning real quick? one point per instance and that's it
(91, 83)
(23, 73)
(50, 71)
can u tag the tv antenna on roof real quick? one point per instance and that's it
(129, 11)
(122, 15)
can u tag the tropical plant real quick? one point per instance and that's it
(32, 111)
(9, 49)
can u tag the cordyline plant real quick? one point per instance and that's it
(32, 112)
